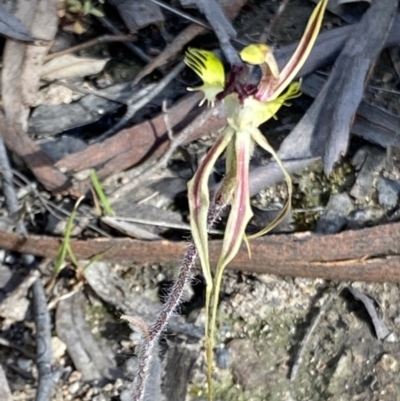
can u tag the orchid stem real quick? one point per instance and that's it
(174, 299)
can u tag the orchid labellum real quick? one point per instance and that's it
(246, 109)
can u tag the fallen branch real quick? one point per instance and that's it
(118, 153)
(370, 254)
(37, 161)
(90, 43)
(44, 354)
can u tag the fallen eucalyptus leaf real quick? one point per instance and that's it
(138, 13)
(70, 66)
(54, 94)
(11, 27)
(114, 290)
(22, 62)
(87, 110)
(92, 358)
(130, 229)
(380, 327)
(329, 119)
(19, 84)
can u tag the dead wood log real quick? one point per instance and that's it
(370, 254)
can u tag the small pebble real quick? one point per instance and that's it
(24, 364)
(388, 192)
(75, 376)
(74, 387)
(388, 363)
(58, 348)
(387, 77)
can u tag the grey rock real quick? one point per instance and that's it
(5, 276)
(369, 161)
(92, 358)
(100, 397)
(335, 215)
(74, 387)
(388, 192)
(5, 389)
(364, 217)
(126, 395)
(247, 368)
(24, 364)
(223, 358)
(342, 373)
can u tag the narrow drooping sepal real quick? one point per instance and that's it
(239, 217)
(258, 137)
(241, 212)
(270, 88)
(199, 201)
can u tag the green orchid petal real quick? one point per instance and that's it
(211, 71)
(258, 137)
(261, 54)
(270, 88)
(254, 113)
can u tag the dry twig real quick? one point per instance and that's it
(41, 314)
(108, 24)
(90, 43)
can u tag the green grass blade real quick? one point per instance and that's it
(105, 203)
(65, 248)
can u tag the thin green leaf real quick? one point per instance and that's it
(105, 203)
(65, 248)
(96, 12)
(86, 7)
(95, 258)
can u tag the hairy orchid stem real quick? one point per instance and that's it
(174, 299)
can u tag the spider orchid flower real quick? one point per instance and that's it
(246, 109)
